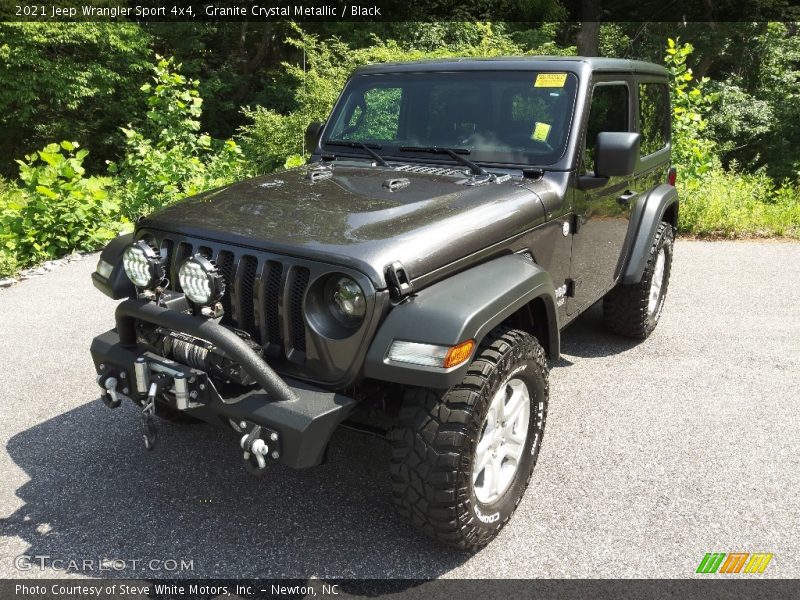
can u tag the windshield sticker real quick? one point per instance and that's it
(540, 132)
(550, 80)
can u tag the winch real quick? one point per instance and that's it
(200, 354)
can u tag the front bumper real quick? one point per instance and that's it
(303, 416)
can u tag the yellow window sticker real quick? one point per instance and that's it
(540, 132)
(550, 80)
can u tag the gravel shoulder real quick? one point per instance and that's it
(655, 453)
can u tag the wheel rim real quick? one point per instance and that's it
(502, 441)
(657, 282)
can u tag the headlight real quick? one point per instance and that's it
(200, 280)
(347, 302)
(143, 265)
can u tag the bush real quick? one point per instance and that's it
(171, 159)
(56, 210)
(730, 204)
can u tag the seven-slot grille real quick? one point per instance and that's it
(263, 294)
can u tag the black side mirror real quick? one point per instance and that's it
(616, 153)
(313, 132)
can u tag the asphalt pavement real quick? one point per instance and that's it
(655, 453)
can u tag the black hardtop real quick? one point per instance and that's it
(575, 64)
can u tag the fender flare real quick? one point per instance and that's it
(117, 286)
(466, 306)
(647, 214)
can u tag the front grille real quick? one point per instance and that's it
(263, 295)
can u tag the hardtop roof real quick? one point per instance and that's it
(516, 63)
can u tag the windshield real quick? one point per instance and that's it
(498, 117)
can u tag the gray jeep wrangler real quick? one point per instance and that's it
(410, 281)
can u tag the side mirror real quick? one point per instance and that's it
(313, 132)
(616, 153)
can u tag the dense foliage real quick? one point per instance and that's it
(169, 158)
(56, 209)
(163, 128)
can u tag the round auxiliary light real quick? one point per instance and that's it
(200, 280)
(346, 301)
(143, 265)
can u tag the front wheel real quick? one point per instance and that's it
(633, 310)
(461, 460)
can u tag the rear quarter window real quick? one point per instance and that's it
(653, 117)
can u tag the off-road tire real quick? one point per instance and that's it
(434, 444)
(625, 308)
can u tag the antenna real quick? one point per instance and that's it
(303, 142)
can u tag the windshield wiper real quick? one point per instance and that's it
(368, 147)
(455, 153)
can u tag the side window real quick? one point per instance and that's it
(653, 116)
(376, 117)
(608, 112)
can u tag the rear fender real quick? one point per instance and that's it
(649, 211)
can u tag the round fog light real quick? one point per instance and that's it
(200, 280)
(143, 265)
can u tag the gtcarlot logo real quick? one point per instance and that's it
(26, 562)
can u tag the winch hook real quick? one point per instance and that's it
(158, 383)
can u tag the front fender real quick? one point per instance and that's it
(117, 286)
(467, 305)
(647, 214)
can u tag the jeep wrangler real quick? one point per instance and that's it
(411, 281)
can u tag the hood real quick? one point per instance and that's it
(349, 217)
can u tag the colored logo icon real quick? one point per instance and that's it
(734, 562)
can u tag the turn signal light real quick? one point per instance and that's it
(458, 354)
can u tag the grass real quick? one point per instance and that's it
(731, 205)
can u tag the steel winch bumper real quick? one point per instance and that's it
(295, 420)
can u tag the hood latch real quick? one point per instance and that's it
(399, 283)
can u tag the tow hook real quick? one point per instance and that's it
(110, 395)
(256, 449)
(158, 383)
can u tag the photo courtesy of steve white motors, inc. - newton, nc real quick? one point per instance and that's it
(184, 589)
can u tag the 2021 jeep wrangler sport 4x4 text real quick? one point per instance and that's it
(411, 280)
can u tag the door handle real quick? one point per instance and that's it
(625, 198)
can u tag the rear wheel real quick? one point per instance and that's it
(462, 459)
(633, 310)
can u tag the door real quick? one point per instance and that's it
(602, 213)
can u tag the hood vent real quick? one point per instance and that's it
(319, 174)
(430, 170)
(397, 183)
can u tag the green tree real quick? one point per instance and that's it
(274, 140)
(168, 158)
(68, 81)
(691, 148)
